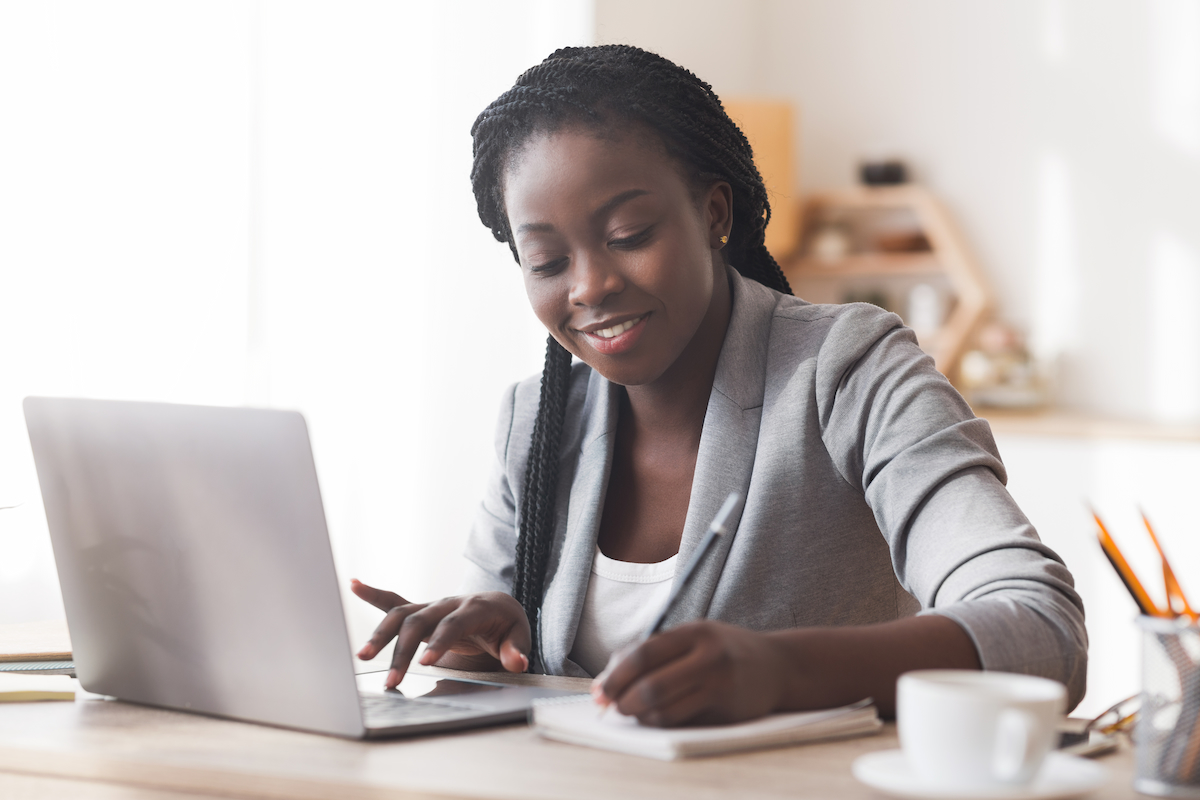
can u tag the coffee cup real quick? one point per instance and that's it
(967, 730)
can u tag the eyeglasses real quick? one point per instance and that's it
(1117, 718)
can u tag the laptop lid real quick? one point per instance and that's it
(194, 559)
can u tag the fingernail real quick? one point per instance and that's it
(393, 678)
(524, 662)
(426, 658)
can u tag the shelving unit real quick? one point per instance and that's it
(934, 255)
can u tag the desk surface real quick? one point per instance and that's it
(102, 750)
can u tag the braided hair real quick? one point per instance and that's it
(600, 88)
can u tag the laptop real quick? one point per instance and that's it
(197, 574)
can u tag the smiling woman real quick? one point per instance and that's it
(637, 263)
(632, 204)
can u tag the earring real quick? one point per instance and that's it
(724, 240)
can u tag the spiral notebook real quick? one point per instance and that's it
(577, 720)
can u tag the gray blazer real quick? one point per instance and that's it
(872, 493)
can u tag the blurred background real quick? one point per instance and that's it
(267, 203)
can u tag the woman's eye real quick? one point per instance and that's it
(631, 241)
(549, 267)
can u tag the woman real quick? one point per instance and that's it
(632, 204)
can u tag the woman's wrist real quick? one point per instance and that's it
(828, 667)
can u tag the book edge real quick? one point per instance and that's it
(33, 696)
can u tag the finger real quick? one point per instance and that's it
(466, 620)
(491, 627)
(664, 685)
(686, 708)
(649, 655)
(415, 628)
(386, 630)
(513, 651)
(383, 600)
(597, 687)
(516, 645)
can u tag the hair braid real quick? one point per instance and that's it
(537, 516)
(603, 88)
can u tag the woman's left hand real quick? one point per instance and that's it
(704, 672)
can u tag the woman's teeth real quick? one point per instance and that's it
(608, 333)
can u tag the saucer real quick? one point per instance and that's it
(1061, 776)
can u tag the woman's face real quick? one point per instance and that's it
(620, 258)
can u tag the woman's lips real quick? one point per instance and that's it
(617, 338)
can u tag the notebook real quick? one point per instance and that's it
(35, 641)
(577, 720)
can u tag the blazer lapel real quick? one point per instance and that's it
(563, 603)
(728, 442)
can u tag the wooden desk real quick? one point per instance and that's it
(102, 750)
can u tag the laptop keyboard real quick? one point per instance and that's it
(393, 710)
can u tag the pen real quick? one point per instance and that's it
(715, 529)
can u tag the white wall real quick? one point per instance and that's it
(267, 203)
(1063, 134)
(720, 41)
(123, 228)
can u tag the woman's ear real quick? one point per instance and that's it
(718, 207)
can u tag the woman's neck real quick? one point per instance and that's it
(677, 401)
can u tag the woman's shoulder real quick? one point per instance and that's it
(834, 336)
(834, 330)
(840, 355)
(837, 336)
(842, 326)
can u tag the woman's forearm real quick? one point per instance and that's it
(825, 667)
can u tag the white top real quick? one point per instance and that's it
(622, 599)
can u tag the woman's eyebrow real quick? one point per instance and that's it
(623, 197)
(609, 205)
(536, 227)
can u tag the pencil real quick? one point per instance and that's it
(1126, 573)
(1140, 603)
(1174, 590)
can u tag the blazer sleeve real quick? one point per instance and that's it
(493, 538)
(932, 475)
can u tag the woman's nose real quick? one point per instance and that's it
(593, 279)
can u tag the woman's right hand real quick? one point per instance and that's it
(483, 629)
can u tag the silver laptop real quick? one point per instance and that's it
(197, 574)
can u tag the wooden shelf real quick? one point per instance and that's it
(862, 212)
(915, 265)
(905, 195)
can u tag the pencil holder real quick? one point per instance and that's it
(1168, 724)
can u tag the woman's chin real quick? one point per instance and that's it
(625, 374)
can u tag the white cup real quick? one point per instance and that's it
(965, 730)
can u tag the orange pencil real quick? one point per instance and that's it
(1175, 595)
